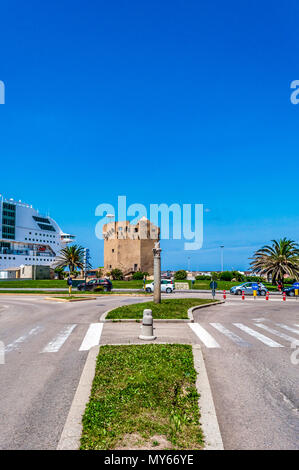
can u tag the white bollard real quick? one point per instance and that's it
(147, 327)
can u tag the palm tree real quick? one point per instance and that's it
(71, 257)
(278, 259)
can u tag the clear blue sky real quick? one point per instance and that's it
(98, 93)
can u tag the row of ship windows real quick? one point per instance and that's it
(33, 239)
(43, 235)
(37, 259)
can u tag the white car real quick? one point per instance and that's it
(166, 286)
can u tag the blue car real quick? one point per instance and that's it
(247, 288)
(290, 291)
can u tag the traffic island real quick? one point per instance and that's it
(72, 298)
(143, 397)
(177, 310)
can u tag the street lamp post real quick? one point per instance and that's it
(157, 273)
(221, 248)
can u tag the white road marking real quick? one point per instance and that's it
(259, 319)
(275, 332)
(235, 338)
(92, 337)
(204, 336)
(257, 335)
(286, 327)
(60, 339)
(14, 345)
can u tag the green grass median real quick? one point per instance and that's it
(167, 309)
(143, 397)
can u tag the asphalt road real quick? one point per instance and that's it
(254, 384)
(37, 388)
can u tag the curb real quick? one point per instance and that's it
(159, 320)
(71, 434)
(57, 299)
(208, 420)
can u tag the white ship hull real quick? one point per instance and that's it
(27, 237)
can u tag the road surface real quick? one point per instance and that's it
(246, 345)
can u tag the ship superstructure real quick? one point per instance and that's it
(27, 237)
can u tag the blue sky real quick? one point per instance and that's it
(161, 101)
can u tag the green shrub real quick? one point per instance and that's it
(215, 276)
(138, 275)
(117, 274)
(238, 276)
(203, 277)
(226, 276)
(180, 275)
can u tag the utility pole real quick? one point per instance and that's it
(221, 248)
(157, 273)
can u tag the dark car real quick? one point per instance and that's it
(290, 291)
(96, 284)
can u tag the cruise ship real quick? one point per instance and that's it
(27, 237)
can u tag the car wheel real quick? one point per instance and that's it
(105, 289)
(238, 292)
(263, 292)
(168, 290)
(291, 293)
(148, 289)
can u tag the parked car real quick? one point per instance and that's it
(166, 286)
(247, 288)
(94, 284)
(290, 291)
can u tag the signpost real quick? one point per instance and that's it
(296, 286)
(213, 286)
(255, 289)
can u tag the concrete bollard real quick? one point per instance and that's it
(147, 327)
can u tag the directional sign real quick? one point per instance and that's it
(213, 285)
(255, 286)
(296, 285)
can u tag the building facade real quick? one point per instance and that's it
(130, 247)
(27, 237)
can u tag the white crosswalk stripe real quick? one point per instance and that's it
(235, 338)
(59, 340)
(15, 344)
(259, 336)
(286, 327)
(92, 337)
(276, 332)
(204, 336)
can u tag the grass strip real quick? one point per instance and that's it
(143, 397)
(167, 309)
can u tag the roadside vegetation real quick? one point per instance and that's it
(167, 309)
(279, 259)
(143, 397)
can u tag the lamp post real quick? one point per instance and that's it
(157, 273)
(221, 251)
